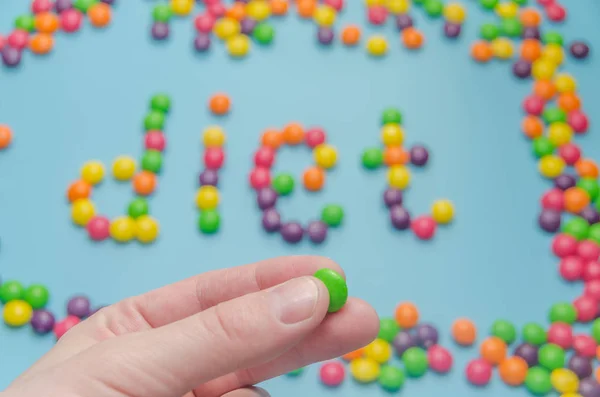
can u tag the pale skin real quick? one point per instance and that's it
(213, 335)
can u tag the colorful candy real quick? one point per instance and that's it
(336, 285)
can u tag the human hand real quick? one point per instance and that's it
(212, 335)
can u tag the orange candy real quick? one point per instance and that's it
(272, 138)
(586, 168)
(531, 50)
(464, 332)
(481, 51)
(354, 355)
(395, 155)
(237, 11)
(293, 134)
(306, 8)
(79, 189)
(532, 127)
(351, 35)
(513, 371)
(279, 7)
(5, 136)
(41, 43)
(576, 199)
(597, 374)
(569, 101)
(46, 22)
(407, 315)
(530, 17)
(144, 183)
(544, 89)
(219, 104)
(493, 350)
(314, 179)
(412, 38)
(99, 15)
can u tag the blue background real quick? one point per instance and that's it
(86, 100)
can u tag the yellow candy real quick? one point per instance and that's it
(398, 177)
(92, 172)
(543, 69)
(213, 136)
(82, 211)
(123, 229)
(17, 313)
(258, 9)
(507, 10)
(571, 395)
(364, 370)
(455, 13)
(398, 6)
(207, 198)
(182, 7)
(370, 3)
(551, 166)
(147, 229)
(379, 350)
(238, 46)
(392, 135)
(502, 48)
(226, 28)
(325, 155)
(442, 211)
(564, 380)
(324, 15)
(554, 53)
(565, 83)
(560, 133)
(377, 46)
(123, 168)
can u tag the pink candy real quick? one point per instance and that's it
(18, 39)
(260, 177)
(533, 105)
(204, 23)
(70, 20)
(38, 6)
(338, 5)
(98, 228)
(332, 374)
(556, 12)
(479, 372)
(264, 157)
(591, 271)
(560, 334)
(586, 307)
(440, 359)
(553, 200)
(578, 121)
(584, 346)
(314, 137)
(571, 268)
(61, 327)
(377, 15)
(155, 140)
(588, 250)
(423, 227)
(570, 153)
(564, 245)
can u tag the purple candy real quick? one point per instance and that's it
(400, 217)
(392, 197)
(266, 198)
(11, 57)
(531, 33)
(452, 30)
(209, 177)
(419, 155)
(549, 220)
(247, 26)
(426, 335)
(588, 387)
(109, 2)
(579, 49)
(317, 231)
(42, 321)
(403, 21)
(325, 35)
(160, 31)
(271, 220)
(79, 306)
(292, 232)
(403, 341)
(590, 214)
(522, 69)
(565, 181)
(61, 5)
(202, 42)
(528, 352)
(582, 366)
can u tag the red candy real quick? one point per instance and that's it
(260, 177)
(217, 10)
(533, 105)
(556, 12)
(570, 153)
(571, 268)
(155, 140)
(564, 245)
(204, 23)
(553, 200)
(98, 228)
(18, 39)
(214, 158)
(578, 121)
(588, 250)
(440, 359)
(479, 372)
(332, 374)
(423, 227)
(584, 346)
(61, 327)
(591, 271)
(586, 308)
(377, 15)
(561, 334)
(264, 157)
(338, 5)
(592, 289)
(38, 6)
(545, 3)
(2, 41)
(314, 137)
(70, 20)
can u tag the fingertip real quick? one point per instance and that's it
(362, 322)
(248, 392)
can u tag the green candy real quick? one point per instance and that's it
(388, 329)
(563, 312)
(37, 296)
(577, 227)
(542, 147)
(554, 115)
(138, 207)
(264, 33)
(209, 221)
(160, 103)
(152, 161)
(337, 287)
(84, 5)
(332, 215)
(154, 121)
(504, 330)
(415, 361)
(591, 186)
(296, 372)
(391, 116)
(596, 330)
(283, 184)
(391, 378)
(372, 158)
(10, 291)
(488, 4)
(551, 356)
(537, 381)
(162, 13)
(520, 2)
(594, 233)
(434, 8)
(552, 37)
(25, 22)
(534, 334)
(418, 2)
(511, 27)
(597, 204)
(489, 31)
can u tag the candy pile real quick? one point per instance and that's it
(35, 30)
(268, 191)
(396, 158)
(6, 136)
(137, 224)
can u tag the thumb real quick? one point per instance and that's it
(233, 335)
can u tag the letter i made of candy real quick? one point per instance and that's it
(207, 196)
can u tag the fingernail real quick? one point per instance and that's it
(296, 300)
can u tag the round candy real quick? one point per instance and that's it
(579, 49)
(79, 190)
(513, 371)
(264, 157)
(549, 220)
(263, 33)
(154, 120)
(564, 380)
(415, 361)
(123, 229)
(403, 341)
(147, 229)
(412, 38)
(336, 285)
(123, 168)
(563, 312)
(214, 157)
(283, 184)
(314, 137)
(313, 178)
(325, 15)
(238, 45)
(332, 373)
(589, 387)
(202, 42)
(17, 313)
(5, 134)
(365, 370)
(502, 48)
(317, 231)
(332, 215)
(482, 51)
(391, 116)
(551, 356)
(504, 330)
(578, 121)
(42, 322)
(292, 232)
(213, 136)
(266, 198)
(561, 335)
(11, 290)
(399, 217)
(464, 332)
(528, 352)
(534, 333)
(407, 315)
(378, 350)
(392, 134)
(398, 177)
(79, 306)
(182, 7)
(99, 15)
(92, 172)
(564, 245)
(479, 372)
(293, 134)
(493, 350)
(219, 104)
(538, 381)
(37, 296)
(209, 221)
(392, 197)
(442, 211)
(440, 359)
(162, 13)
(82, 211)
(551, 166)
(61, 327)
(391, 378)
(207, 197)
(577, 227)
(372, 158)
(271, 220)
(325, 156)
(455, 13)
(377, 15)
(419, 155)
(388, 329)
(377, 46)
(258, 9)
(98, 228)
(351, 35)
(584, 345)
(586, 308)
(452, 30)
(423, 227)
(155, 140)
(426, 335)
(260, 177)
